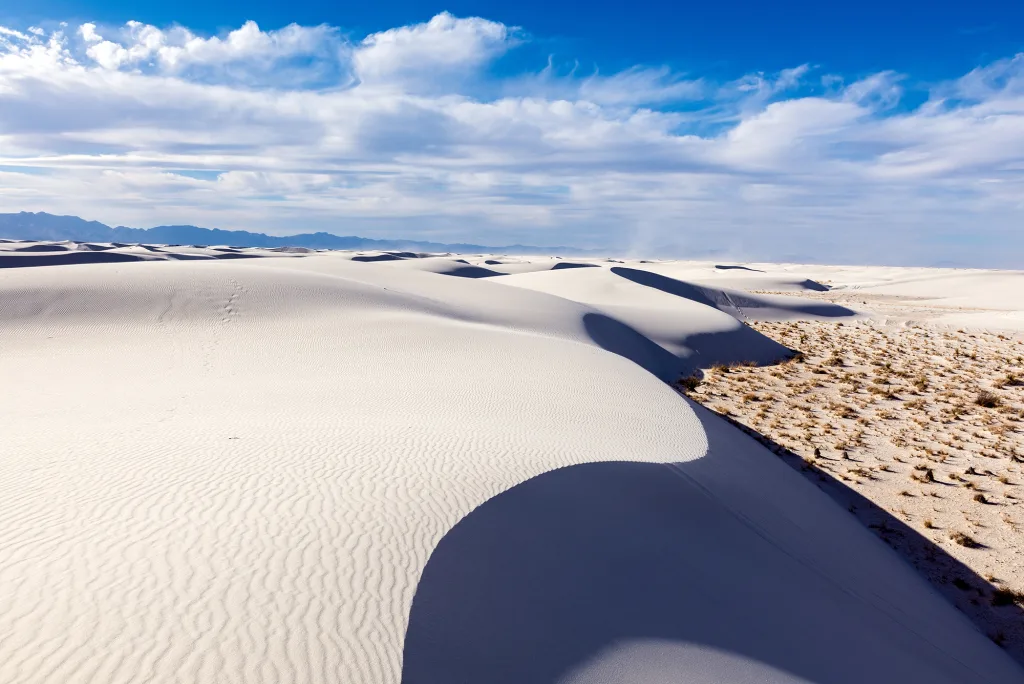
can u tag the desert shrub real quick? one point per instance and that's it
(1011, 380)
(987, 399)
(965, 540)
(1007, 597)
(690, 383)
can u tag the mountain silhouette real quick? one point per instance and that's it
(42, 226)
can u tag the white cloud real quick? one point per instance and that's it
(410, 132)
(11, 33)
(245, 56)
(88, 33)
(444, 46)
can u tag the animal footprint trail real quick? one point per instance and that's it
(230, 309)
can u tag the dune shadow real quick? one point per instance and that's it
(992, 612)
(618, 338)
(751, 306)
(577, 574)
(470, 271)
(668, 285)
(236, 255)
(42, 248)
(377, 257)
(66, 258)
(571, 264)
(739, 304)
(737, 268)
(292, 250)
(740, 345)
(813, 285)
(176, 256)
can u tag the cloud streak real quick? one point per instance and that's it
(418, 131)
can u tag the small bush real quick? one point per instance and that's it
(987, 399)
(1006, 597)
(1011, 380)
(690, 383)
(965, 540)
(842, 410)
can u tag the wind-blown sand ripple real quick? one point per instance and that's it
(237, 472)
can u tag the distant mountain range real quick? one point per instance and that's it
(42, 226)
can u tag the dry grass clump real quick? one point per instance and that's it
(1007, 597)
(1009, 380)
(690, 383)
(987, 399)
(965, 540)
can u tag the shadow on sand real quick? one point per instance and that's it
(562, 265)
(741, 344)
(470, 271)
(740, 304)
(722, 569)
(618, 338)
(66, 258)
(956, 581)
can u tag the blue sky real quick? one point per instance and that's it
(931, 40)
(798, 131)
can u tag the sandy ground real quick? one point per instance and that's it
(384, 467)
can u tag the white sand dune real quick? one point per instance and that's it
(960, 298)
(311, 468)
(452, 266)
(679, 317)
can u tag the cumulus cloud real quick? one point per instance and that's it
(242, 56)
(413, 131)
(417, 56)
